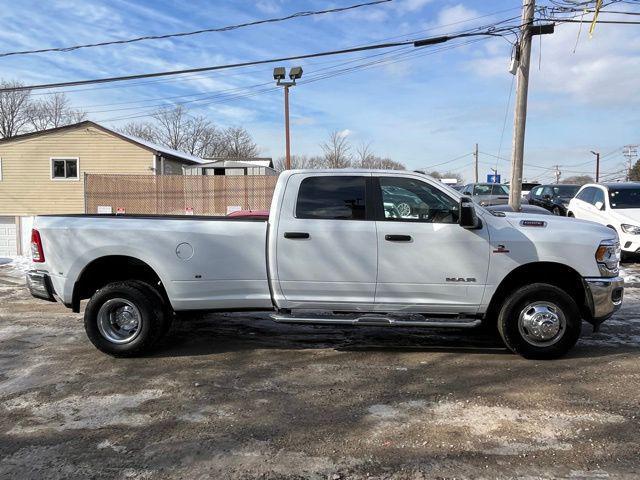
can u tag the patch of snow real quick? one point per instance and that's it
(78, 412)
(630, 275)
(498, 430)
(19, 263)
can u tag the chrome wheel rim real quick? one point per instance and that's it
(119, 320)
(404, 209)
(542, 324)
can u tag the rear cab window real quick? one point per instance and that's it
(332, 198)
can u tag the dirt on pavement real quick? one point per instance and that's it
(238, 396)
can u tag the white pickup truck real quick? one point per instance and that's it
(355, 247)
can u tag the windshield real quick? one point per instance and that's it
(565, 191)
(495, 189)
(624, 197)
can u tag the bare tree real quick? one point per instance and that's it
(578, 179)
(53, 111)
(439, 176)
(171, 126)
(238, 143)
(300, 161)
(175, 128)
(143, 130)
(337, 151)
(14, 107)
(365, 158)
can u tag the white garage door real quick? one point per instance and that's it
(8, 244)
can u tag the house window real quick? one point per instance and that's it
(64, 169)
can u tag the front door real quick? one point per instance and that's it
(426, 261)
(327, 249)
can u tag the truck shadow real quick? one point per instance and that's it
(219, 333)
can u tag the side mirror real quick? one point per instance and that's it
(467, 217)
(599, 205)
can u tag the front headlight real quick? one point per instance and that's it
(632, 229)
(608, 257)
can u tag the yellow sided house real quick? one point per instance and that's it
(43, 172)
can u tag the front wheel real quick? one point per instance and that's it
(539, 321)
(125, 319)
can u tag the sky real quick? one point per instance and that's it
(423, 107)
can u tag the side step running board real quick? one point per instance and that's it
(378, 320)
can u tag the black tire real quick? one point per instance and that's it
(152, 318)
(515, 305)
(168, 311)
(570, 215)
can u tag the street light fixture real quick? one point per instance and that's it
(279, 74)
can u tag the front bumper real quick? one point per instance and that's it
(629, 243)
(604, 297)
(39, 285)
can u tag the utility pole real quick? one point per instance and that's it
(520, 114)
(557, 173)
(475, 154)
(630, 153)
(597, 154)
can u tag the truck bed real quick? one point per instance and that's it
(203, 262)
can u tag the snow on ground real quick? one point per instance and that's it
(19, 263)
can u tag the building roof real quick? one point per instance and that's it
(153, 147)
(233, 163)
(255, 161)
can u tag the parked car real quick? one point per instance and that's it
(527, 187)
(330, 246)
(524, 208)
(616, 205)
(407, 204)
(486, 194)
(554, 198)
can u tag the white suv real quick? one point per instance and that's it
(616, 205)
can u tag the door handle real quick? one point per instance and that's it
(397, 238)
(296, 235)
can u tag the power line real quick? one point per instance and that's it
(310, 78)
(406, 36)
(417, 43)
(448, 161)
(195, 32)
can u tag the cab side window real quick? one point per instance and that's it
(332, 198)
(412, 200)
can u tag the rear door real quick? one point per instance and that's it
(426, 261)
(326, 244)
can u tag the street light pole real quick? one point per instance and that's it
(279, 74)
(286, 129)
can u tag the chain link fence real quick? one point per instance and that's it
(177, 194)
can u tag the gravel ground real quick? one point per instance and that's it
(239, 397)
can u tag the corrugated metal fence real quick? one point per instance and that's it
(177, 194)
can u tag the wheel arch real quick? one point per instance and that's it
(552, 273)
(112, 268)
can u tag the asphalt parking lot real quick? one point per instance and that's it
(237, 396)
